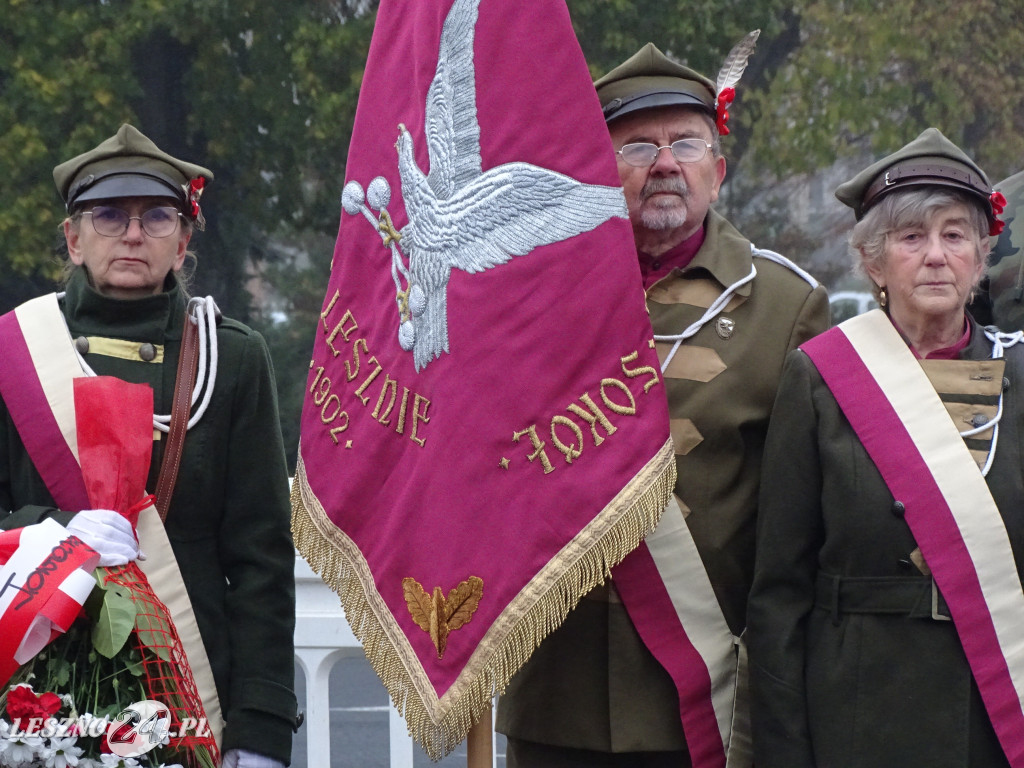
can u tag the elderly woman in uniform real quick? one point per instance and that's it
(222, 488)
(884, 620)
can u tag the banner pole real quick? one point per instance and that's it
(480, 742)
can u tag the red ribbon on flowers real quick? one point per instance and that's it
(45, 578)
(725, 98)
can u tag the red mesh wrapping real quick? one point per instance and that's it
(166, 674)
(115, 442)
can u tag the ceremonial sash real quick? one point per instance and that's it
(908, 434)
(671, 602)
(485, 429)
(36, 383)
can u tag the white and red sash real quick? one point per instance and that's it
(36, 383)
(906, 430)
(670, 600)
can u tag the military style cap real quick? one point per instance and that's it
(648, 79)
(130, 165)
(929, 160)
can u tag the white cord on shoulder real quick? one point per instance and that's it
(716, 308)
(1000, 341)
(778, 258)
(203, 312)
(719, 304)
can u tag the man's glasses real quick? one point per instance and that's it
(643, 154)
(113, 222)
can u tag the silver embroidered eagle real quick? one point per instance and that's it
(462, 217)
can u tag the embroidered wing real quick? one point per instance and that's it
(528, 206)
(452, 128)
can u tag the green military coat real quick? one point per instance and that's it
(229, 519)
(592, 684)
(834, 680)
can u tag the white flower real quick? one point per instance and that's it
(109, 760)
(21, 751)
(62, 753)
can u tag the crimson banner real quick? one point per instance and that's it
(485, 429)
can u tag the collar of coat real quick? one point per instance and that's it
(725, 254)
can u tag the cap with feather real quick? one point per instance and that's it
(650, 79)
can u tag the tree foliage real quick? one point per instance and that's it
(875, 74)
(262, 93)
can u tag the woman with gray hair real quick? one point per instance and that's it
(884, 620)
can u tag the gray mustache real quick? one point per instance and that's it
(654, 186)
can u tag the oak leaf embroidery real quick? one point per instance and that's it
(438, 615)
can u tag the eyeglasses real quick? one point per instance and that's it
(643, 154)
(113, 222)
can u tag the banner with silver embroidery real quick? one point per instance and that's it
(485, 430)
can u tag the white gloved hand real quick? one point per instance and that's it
(107, 532)
(243, 758)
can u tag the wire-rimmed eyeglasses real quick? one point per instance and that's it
(113, 222)
(643, 154)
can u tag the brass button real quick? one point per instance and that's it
(82, 345)
(147, 352)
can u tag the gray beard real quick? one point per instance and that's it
(670, 217)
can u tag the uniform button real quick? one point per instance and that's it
(1006, 383)
(82, 345)
(979, 420)
(147, 352)
(898, 509)
(904, 563)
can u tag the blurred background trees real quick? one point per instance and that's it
(264, 94)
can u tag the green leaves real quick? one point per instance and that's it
(115, 622)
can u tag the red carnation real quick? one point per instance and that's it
(195, 192)
(998, 201)
(724, 100)
(22, 702)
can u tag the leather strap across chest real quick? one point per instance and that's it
(188, 363)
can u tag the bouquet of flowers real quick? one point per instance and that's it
(118, 677)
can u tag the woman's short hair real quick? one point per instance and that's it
(912, 207)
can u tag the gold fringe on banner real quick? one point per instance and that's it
(441, 724)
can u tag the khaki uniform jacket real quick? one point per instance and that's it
(837, 681)
(229, 518)
(592, 684)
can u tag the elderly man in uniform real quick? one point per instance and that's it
(131, 212)
(725, 314)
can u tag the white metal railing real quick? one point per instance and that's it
(322, 637)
